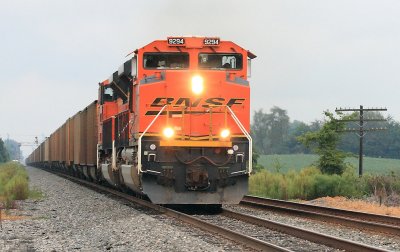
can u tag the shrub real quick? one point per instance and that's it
(308, 183)
(324, 143)
(326, 185)
(18, 188)
(13, 183)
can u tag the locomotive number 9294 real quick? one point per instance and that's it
(176, 41)
(211, 41)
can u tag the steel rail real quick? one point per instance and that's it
(245, 240)
(304, 234)
(376, 222)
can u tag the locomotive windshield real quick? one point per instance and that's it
(166, 60)
(220, 60)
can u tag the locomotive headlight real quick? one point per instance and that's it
(168, 132)
(197, 84)
(225, 133)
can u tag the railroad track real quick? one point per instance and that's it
(304, 234)
(228, 233)
(245, 240)
(379, 223)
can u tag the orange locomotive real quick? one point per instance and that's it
(172, 123)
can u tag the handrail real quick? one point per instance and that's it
(140, 140)
(243, 129)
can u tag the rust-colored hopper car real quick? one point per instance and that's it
(171, 123)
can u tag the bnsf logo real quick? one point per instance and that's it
(216, 101)
(205, 103)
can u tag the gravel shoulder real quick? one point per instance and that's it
(72, 217)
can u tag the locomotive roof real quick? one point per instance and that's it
(192, 42)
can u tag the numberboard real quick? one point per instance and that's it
(211, 41)
(176, 41)
(180, 41)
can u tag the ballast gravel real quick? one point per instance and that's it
(71, 217)
(369, 237)
(270, 236)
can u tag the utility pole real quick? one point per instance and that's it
(361, 130)
(361, 150)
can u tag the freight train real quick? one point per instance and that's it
(172, 123)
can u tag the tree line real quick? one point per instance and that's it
(4, 155)
(274, 133)
(9, 150)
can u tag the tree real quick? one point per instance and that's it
(324, 142)
(259, 130)
(279, 122)
(273, 133)
(270, 130)
(13, 148)
(296, 129)
(4, 156)
(383, 143)
(256, 166)
(391, 138)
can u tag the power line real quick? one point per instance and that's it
(361, 130)
(360, 109)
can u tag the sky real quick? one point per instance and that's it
(312, 55)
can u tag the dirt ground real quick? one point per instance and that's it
(11, 214)
(368, 205)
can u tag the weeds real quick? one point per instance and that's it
(36, 193)
(309, 183)
(14, 184)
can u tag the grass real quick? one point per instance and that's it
(309, 183)
(296, 162)
(295, 177)
(36, 194)
(14, 184)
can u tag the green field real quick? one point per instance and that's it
(284, 163)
